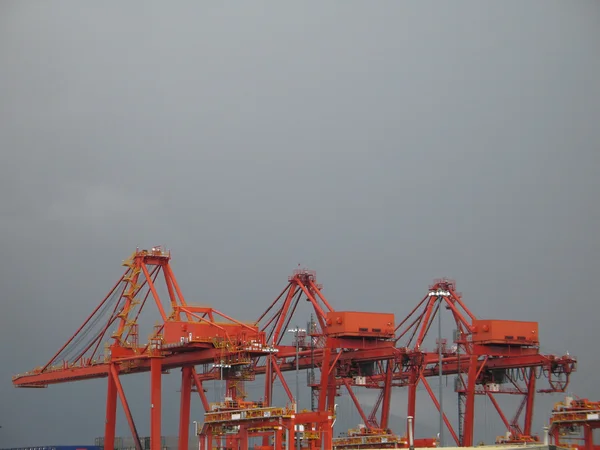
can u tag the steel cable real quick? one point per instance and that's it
(75, 346)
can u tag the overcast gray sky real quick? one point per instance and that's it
(382, 144)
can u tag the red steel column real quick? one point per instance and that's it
(268, 390)
(387, 395)
(111, 415)
(529, 404)
(468, 427)
(327, 436)
(243, 433)
(184, 413)
(206, 440)
(588, 435)
(556, 437)
(279, 438)
(115, 376)
(268, 380)
(155, 400)
(324, 379)
(412, 396)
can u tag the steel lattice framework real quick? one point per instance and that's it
(573, 422)
(347, 350)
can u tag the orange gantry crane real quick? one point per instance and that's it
(189, 336)
(572, 423)
(340, 349)
(488, 358)
(358, 349)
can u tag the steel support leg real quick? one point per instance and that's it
(529, 404)
(155, 399)
(470, 403)
(115, 376)
(244, 438)
(588, 435)
(387, 395)
(111, 415)
(268, 391)
(184, 413)
(278, 438)
(412, 397)
(327, 433)
(323, 390)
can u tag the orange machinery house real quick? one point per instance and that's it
(234, 343)
(505, 332)
(348, 324)
(181, 332)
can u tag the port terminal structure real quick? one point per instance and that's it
(341, 350)
(572, 424)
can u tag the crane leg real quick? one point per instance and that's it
(470, 403)
(184, 414)
(115, 376)
(412, 398)
(387, 395)
(111, 415)
(155, 395)
(588, 434)
(530, 402)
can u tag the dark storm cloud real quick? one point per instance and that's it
(381, 144)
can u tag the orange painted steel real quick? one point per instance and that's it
(505, 332)
(232, 424)
(572, 423)
(336, 350)
(489, 368)
(178, 332)
(369, 438)
(359, 324)
(188, 336)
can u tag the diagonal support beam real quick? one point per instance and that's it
(283, 382)
(437, 405)
(200, 389)
(114, 374)
(356, 403)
